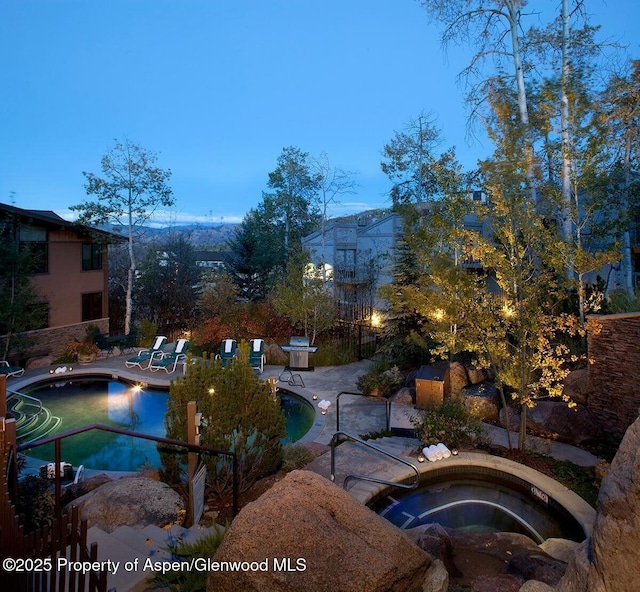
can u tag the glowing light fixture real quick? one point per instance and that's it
(438, 314)
(507, 311)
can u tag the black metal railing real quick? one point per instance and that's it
(335, 440)
(57, 439)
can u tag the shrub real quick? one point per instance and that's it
(185, 580)
(240, 415)
(331, 352)
(36, 503)
(296, 456)
(75, 348)
(450, 423)
(381, 380)
(147, 333)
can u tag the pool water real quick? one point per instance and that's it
(113, 403)
(480, 503)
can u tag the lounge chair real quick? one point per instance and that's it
(227, 351)
(171, 359)
(8, 370)
(256, 354)
(146, 355)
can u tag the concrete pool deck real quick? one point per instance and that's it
(359, 415)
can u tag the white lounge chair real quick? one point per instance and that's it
(256, 354)
(9, 370)
(170, 359)
(145, 356)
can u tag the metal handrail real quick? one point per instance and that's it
(96, 426)
(19, 394)
(387, 401)
(334, 442)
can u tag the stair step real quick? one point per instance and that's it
(127, 544)
(151, 545)
(116, 550)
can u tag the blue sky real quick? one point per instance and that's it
(219, 87)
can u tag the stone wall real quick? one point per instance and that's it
(614, 371)
(51, 342)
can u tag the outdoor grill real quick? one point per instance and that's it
(299, 350)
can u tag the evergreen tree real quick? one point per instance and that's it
(256, 257)
(168, 284)
(240, 414)
(291, 206)
(20, 308)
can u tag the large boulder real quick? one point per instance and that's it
(482, 400)
(616, 533)
(275, 355)
(513, 416)
(38, 362)
(130, 501)
(555, 419)
(455, 379)
(503, 560)
(501, 554)
(315, 537)
(609, 561)
(576, 386)
(405, 396)
(476, 375)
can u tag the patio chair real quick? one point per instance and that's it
(8, 370)
(256, 354)
(129, 342)
(103, 345)
(146, 355)
(171, 359)
(228, 351)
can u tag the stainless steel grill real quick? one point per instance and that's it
(299, 350)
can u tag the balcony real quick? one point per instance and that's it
(353, 274)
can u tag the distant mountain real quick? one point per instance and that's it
(199, 235)
(214, 236)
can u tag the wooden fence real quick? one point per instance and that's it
(30, 561)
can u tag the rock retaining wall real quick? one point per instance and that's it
(614, 355)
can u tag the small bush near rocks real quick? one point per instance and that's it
(36, 504)
(296, 456)
(450, 423)
(184, 580)
(381, 380)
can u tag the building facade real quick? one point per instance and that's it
(359, 258)
(69, 272)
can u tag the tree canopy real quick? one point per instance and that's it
(128, 193)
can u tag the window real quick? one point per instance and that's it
(91, 306)
(91, 257)
(34, 239)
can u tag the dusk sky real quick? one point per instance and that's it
(219, 87)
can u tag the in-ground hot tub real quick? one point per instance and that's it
(483, 498)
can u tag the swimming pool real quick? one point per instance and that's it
(84, 401)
